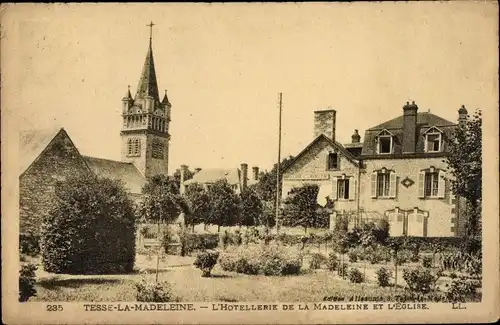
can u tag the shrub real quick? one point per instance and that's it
(27, 280)
(403, 257)
(238, 238)
(383, 276)
(90, 228)
(201, 242)
(206, 261)
(317, 260)
(461, 290)
(29, 244)
(332, 262)
(420, 281)
(153, 292)
(342, 270)
(355, 275)
(167, 238)
(353, 256)
(427, 261)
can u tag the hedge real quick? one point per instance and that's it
(29, 244)
(90, 228)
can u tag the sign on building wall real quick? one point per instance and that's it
(319, 176)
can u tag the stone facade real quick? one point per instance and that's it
(57, 161)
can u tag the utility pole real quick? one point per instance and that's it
(278, 170)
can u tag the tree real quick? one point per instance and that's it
(465, 164)
(90, 228)
(161, 203)
(251, 208)
(224, 205)
(177, 176)
(266, 187)
(199, 204)
(300, 207)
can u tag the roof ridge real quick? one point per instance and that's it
(107, 159)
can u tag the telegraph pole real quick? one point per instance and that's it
(278, 170)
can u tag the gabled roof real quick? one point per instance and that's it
(32, 143)
(432, 128)
(211, 175)
(323, 137)
(148, 85)
(117, 170)
(423, 118)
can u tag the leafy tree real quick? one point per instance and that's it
(161, 203)
(268, 216)
(300, 207)
(177, 176)
(266, 187)
(251, 208)
(199, 204)
(465, 164)
(224, 205)
(90, 228)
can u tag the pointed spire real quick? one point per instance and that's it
(148, 85)
(165, 99)
(128, 95)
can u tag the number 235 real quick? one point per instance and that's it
(55, 308)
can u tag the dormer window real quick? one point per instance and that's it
(384, 142)
(433, 140)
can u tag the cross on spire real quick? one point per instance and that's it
(150, 25)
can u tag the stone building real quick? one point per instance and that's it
(49, 155)
(397, 173)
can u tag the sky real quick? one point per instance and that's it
(224, 65)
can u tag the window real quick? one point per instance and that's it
(433, 142)
(133, 147)
(157, 149)
(343, 189)
(333, 162)
(383, 184)
(384, 142)
(431, 184)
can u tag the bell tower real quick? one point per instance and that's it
(146, 119)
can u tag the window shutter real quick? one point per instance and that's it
(421, 180)
(374, 184)
(393, 184)
(334, 188)
(352, 188)
(441, 183)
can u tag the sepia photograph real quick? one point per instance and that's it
(250, 163)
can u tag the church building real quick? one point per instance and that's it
(397, 173)
(48, 156)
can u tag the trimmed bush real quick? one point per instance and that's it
(206, 261)
(90, 228)
(332, 262)
(153, 291)
(383, 276)
(27, 280)
(29, 244)
(355, 275)
(427, 261)
(353, 256)
(461, 290)
(420, 281)
(201, 242)
(317, 260)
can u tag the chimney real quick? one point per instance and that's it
(409, 127)
(356, 138)
(255, 172)
(324, 123)
(462, 114)
(197, 170)
(182, 188)
(244, 176)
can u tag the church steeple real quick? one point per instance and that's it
(148, 86)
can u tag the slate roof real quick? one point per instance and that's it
(211, 175)
(32, 143)
(148, 85)
(118, 170)
(425, 120)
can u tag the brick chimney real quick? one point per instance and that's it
(182, 187)
(462, 114)
(409, 127)
(324, 123)
(255, 173)
(355, 137)
(244, 176)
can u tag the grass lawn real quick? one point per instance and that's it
(188, 285)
